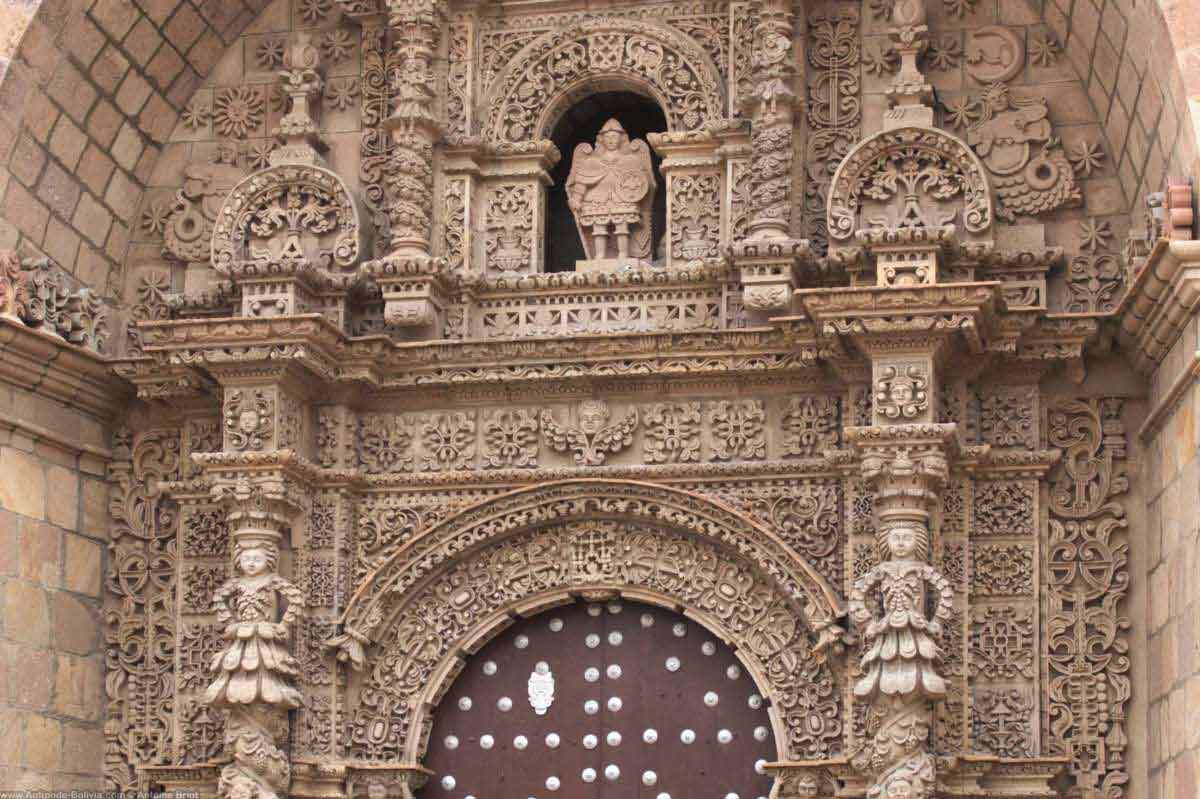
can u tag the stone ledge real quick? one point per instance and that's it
(1160, 302)
(47, 365)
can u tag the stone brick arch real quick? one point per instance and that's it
(599, 55)
(447, 592)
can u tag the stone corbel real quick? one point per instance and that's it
(1161, 302)
(385, 780)
(415, 293)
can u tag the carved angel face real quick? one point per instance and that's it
(593, 415)
(900, 789)
(248, 421)
(253, 562)
(902, 541)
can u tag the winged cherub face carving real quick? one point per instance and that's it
(593, 415)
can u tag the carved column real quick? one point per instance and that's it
(903, 456)
(771, 122)
(768, 257)
(415, 27)
(900, 606)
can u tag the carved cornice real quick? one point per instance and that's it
(1160, 302)
(243, 348)
(51, 367)
(886, 318)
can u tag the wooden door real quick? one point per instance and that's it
(626, 700)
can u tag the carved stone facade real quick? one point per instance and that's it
(851, 374)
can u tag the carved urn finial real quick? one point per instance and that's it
(301, 81)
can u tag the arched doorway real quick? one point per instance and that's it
(602, 699)
(416, 622)
(639, 115)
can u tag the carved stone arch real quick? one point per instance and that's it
(258, 207)
(447, 592)
(950, 173)
(602, 54)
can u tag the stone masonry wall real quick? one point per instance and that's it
(53, 524)
(1172, 544)
(1124, 52)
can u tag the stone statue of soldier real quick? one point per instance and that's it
(611, 192)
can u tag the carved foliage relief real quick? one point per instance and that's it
(749, 607)
(834, 108)
(1085, 643)
(673, 65)
(139, 617)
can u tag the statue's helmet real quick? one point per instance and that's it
(613, 125)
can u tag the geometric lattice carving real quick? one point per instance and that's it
(1002, 642)
(1005, 508)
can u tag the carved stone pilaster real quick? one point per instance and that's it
(901, 605)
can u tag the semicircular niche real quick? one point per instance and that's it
(606, 699)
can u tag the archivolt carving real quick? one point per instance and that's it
(454, 582)
(287, 212)
(920, 174)
(525, 99)
(466, 600)
(381, 595)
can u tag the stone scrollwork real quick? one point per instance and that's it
(526, 94)
(635, 503)
(139, 622)
(287, 213)
(911, 178)
(726, 591)
(1085, 643)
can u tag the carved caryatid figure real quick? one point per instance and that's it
(901, 653)
(255, 665)
(255, 674)
(611, 192)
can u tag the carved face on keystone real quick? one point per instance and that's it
(593, 415)
(253, 562)
(902, 541)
